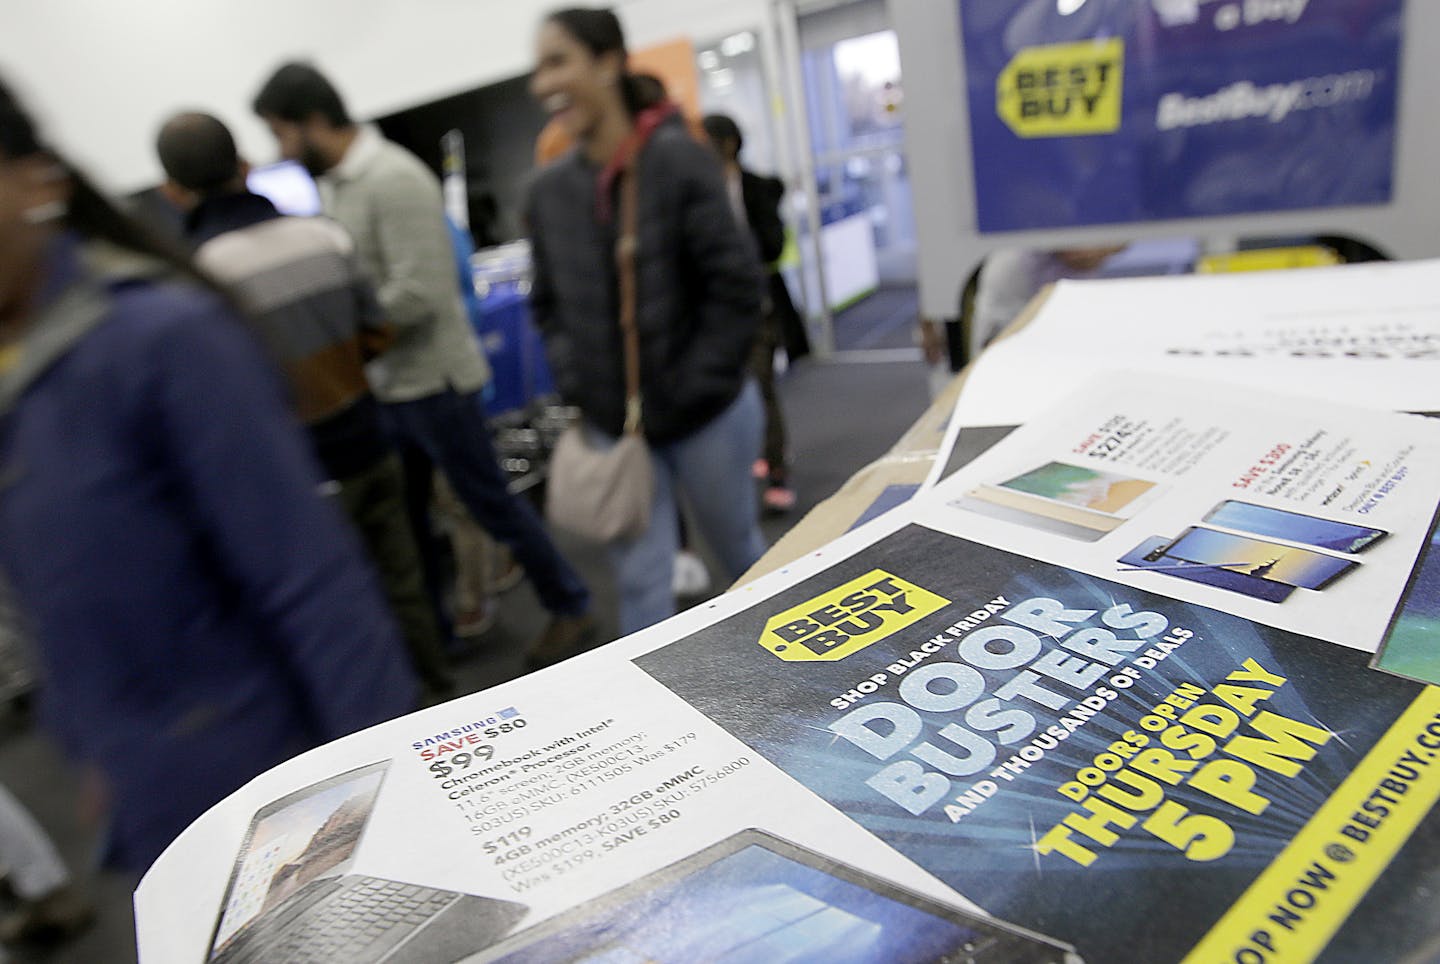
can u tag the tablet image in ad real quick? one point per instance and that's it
(1293, 527)
(1066, 500)
(290, 897)
(1034, 512)
(1411, 647)
(756, 898)
(1084, 488)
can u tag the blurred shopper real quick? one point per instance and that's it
(690, 579)
(200, 612)
(756, 203)
(1010, 278)
(474, 552)
(698, 302)
(556, 138)
(431, 377)
(300, 285)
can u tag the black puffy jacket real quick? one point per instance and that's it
(699, 288)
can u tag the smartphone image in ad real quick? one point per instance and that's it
(1271, 561)
(1294, 527)
(1150, 555)
(1084, 488)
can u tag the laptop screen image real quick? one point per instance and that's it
(307, 836)
(759, 905)
(288, 186)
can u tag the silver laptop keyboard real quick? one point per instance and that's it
(356, 919)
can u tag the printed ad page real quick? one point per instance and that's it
(1412, 642)
(580, 809)
(1302, 515)
(1140, 777)
(1366, 335)
(900, 714)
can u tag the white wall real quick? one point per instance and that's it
(104, 74)
(938, 149)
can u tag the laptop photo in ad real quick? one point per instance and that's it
(756, 899)
(291, 897)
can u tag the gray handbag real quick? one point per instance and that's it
(605, 494)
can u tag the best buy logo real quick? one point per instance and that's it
(846, 620)
(1063, 90)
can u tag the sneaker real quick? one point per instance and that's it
(566, 636)
(689, 578)
(778, 500)
(60, 914)
(761, 469)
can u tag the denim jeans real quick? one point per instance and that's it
(375, 501)
(712, 469)
(450, 430)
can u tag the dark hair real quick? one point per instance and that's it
(298, 91)
(17, 133)
(598, 30)
(90, 214)
(722, 127)
(198, 152)
(647, 89)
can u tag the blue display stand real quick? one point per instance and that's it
(514, 349)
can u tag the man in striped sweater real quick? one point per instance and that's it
(301, 286)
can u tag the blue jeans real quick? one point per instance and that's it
(712, 467)
(450, 430)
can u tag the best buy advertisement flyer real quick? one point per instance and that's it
(504, 825)
(1298, 514)
(1103, 696)
(1080, 757)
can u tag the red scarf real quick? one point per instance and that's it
(645, 124)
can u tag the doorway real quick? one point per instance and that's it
(854, 96)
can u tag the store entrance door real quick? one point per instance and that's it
(850, 65)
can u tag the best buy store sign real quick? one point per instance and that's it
(1063, 90)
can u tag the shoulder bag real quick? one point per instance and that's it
(605, 494)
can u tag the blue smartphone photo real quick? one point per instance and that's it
(1271, 561)
(1151, 556)
(1293, 527)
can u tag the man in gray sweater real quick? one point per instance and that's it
(430, 378)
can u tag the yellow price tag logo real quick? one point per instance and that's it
(845, 620)
(1063, 90)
